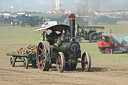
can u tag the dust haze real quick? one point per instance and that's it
(39, 5)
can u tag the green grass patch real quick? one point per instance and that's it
(15, 37)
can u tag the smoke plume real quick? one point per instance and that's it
(31, 5)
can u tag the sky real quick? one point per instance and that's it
(43, 5)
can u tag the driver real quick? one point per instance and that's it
(53, 34)
(51, 37)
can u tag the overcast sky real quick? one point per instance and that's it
(43, 5)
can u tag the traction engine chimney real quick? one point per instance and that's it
(72, 25)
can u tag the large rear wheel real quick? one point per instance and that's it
(60, 62)
(86, 62)
(93, 37)
(41, 61)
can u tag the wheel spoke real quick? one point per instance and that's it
(60, 66)
(42, 50)
(41, 57)
(107, 51)
(86, 62)
(43, 54)
(60, 63)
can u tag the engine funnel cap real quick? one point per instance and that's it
(72, 17)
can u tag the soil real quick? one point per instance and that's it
(101, 73)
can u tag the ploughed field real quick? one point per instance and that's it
(111, 69)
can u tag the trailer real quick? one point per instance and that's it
(109, 43)
(25, 58)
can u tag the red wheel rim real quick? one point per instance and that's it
(107, 51)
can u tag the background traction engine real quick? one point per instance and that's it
(90, 33)
(61, 49)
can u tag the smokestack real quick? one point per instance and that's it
(72, 25)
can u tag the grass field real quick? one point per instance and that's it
(15, 37)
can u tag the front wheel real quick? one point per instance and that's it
(107, 51)
(25, 63)
(86, 62)
(60, 62)
(12, 61)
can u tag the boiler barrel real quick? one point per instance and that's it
(72, 47)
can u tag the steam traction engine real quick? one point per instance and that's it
(60, 48)
(89, 32)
